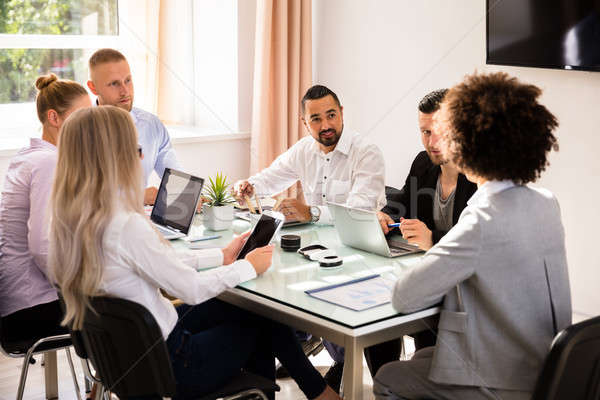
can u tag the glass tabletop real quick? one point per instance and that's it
(291, 274)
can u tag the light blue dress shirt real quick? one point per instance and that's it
(155, 142)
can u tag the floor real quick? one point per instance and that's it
(10, 369)
(34, 389)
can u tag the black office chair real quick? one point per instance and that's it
(127, 349)
(90, 377)
(572, 368)
(27, 348)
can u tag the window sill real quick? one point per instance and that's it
(179, 135)
(189, 134)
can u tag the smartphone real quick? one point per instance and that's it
(263, 232)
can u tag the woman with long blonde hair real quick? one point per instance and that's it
(29, 306)
(103, 244)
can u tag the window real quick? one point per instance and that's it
(191, 61)
(37, 37)
(206, 65)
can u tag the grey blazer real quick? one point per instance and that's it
(507, 256)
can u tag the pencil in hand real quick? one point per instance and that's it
(260, 211)
(277, 204)
(249, 204)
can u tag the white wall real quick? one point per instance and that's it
(230, 157)
(382, 56)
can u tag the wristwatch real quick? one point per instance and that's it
(315, 213)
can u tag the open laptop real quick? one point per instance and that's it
(361, 229)
(176, 203)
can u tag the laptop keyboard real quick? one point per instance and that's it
(399, 250)
(163, 230)
(398, 247)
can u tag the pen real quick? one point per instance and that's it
(249, 204)
(258, 204)
(396, 225)
(200, 238)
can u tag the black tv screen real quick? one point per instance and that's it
(561, 34)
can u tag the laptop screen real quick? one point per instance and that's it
(176, 200)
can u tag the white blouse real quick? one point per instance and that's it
(138, 263)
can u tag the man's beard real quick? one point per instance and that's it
(437, 159)
(330, 141)
(127, 107)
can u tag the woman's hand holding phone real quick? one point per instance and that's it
(231, 251)
(261, 258)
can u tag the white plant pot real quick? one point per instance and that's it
(217, 218)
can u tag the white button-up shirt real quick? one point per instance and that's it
(352, 174)
(138, 263)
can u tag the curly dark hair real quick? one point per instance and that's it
(498, 129)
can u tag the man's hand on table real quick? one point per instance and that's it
(150, 196)
(294, 210)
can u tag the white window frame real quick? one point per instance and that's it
(16, 41)
(239, 118)
(16, 135)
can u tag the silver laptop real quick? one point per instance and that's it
(360, 229)
(176, 203)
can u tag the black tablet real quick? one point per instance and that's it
(263, 232)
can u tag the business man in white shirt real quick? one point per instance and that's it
(111, 81)
(331, 165)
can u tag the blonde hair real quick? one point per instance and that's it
(56, 94)
(104, 56)
(98, 170)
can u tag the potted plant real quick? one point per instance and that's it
(217, 205)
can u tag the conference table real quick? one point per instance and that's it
(279, 294)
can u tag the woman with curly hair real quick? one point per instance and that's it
(502, 270)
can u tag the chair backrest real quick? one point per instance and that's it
(572, 368)
(126, 346)
(76, 337)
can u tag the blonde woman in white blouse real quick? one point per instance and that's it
(103, 244)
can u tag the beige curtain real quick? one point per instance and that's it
(282, 74)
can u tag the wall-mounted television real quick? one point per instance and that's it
(561, 34)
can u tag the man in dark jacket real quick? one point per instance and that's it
(434, 193)
(427, 207)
